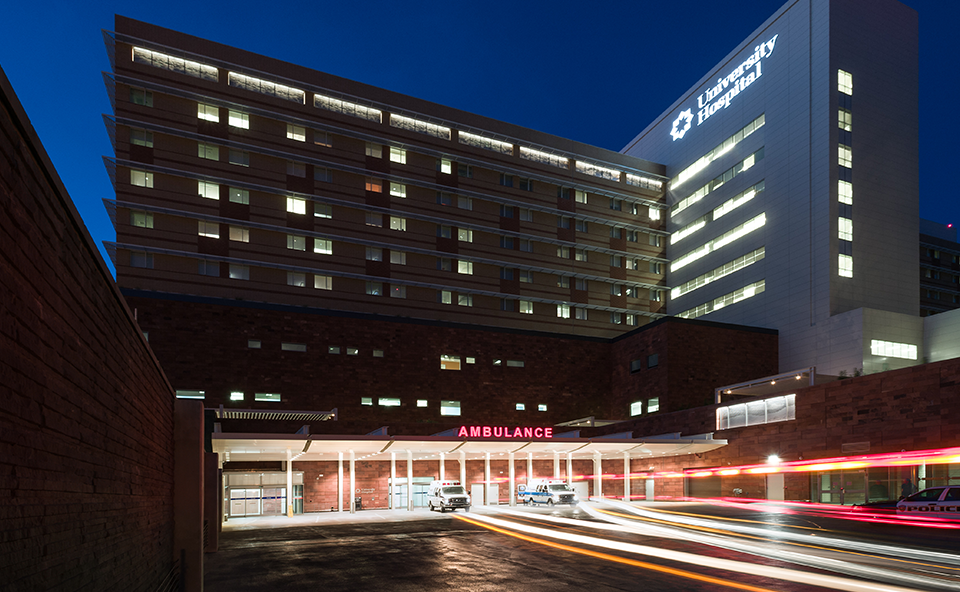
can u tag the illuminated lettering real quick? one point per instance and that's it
(720, 95)
(503, 432)
(487, 431)
(537, 432)
(527, 432)
(474, 431)
(463, 432)
(547, 432)
(497, 432)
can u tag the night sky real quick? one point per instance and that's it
(596, 72)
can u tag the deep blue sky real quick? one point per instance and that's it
(597, 72)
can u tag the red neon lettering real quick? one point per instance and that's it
(537, 432)
(486, 431)
(474, 431)
(527, 432)
(547, 432)
(498, 432)
(463, 432)
(518, 433)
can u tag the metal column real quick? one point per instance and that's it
(626, 476)
(442, 474)
(556, 465)
(339, 481)
(597, 475)
(570, 470)
(409, 480)
(393, 480)
(353, 482)
(486, 479)
(529, 468)
(289, 484)
(463, 469)
(513, 481)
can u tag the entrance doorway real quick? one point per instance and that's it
(401, 492)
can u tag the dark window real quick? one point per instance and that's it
(653, 360)
(636, 366)
(506, 180)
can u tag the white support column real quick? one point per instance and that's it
(289, 484)
(626, 476)
(486, 479)
(529, 468)
(463, 470)
(556, 465)
(442, 473)
(513, 481)
(409, 480)
(353, 482)
(570, 470)
(339, 481)
(393, 480)
(597, 475)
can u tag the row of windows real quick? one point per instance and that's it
(936, 274)
(720, 272)
(721, 241)
(844, 185)
(743, 293)
(724, 177)
(653, 405)
(234, 395)
(937, 255)
(724, 147)
(652, 361)
(139, 259)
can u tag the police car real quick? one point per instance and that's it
(942, 502)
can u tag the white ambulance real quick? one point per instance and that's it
(547, 492)
(447, 495)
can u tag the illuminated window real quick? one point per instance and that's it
(323, 246)
(175, 64)
(653, 213)
(563, 252)
(208, 190)
(715, 274)
(297, 280)
(388, 401)
(296, 243)
(347, 108)
(580, 254)
(323, 282)
(398, 258)
(449, 362)
(240, 235)
(845, 228)
(485, 143)
(526, 276)
(845, 266)
(845, 120)
(189, 394)
(845, 82)
(208, 229)
(374, 185)
(141, 178)
(724, 147)
(139, 96)
(333, 349)
(526, 307)
(636, 408)
(296, 169)
(322, 211)
(845, 156)
(239, 272)
(764, 411)
(748, 291)
(266, 87)
(845, 192)
(397, 223)
(141, 219)
(140, 137)
(653, 405)
(374, 254)
(365, 400)
(465, 300)
(596, 170)
(515, 364)
(295, 205)
(236, 396)
(580, 314)
(398, 190)
(375, 288)
(398, 291)
(449, 407)
(296, 132)
(465, 267)
(521, 407)
(239, 196)
(237, 119)
(541, 407)
(736, 201)
(270, 397)
(398, 155)
(580, 196)
(419, 126)
(445, 166)
(208, 112)
(421, 402)
(721, 241)
(545, 158)
(890, 349)
(374, 219)
(445, 297)
(563, 311)
(465, 235)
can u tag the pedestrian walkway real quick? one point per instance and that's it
(322, 518)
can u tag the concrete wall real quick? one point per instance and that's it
(86, 416)
(940, 336)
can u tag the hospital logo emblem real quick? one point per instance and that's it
(682, 124)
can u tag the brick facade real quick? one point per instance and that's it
(86, 417)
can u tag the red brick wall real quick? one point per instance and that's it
(914, 408)
(86, 416)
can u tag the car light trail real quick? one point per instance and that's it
(778, 573)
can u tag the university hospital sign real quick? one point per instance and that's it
(726, 89)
